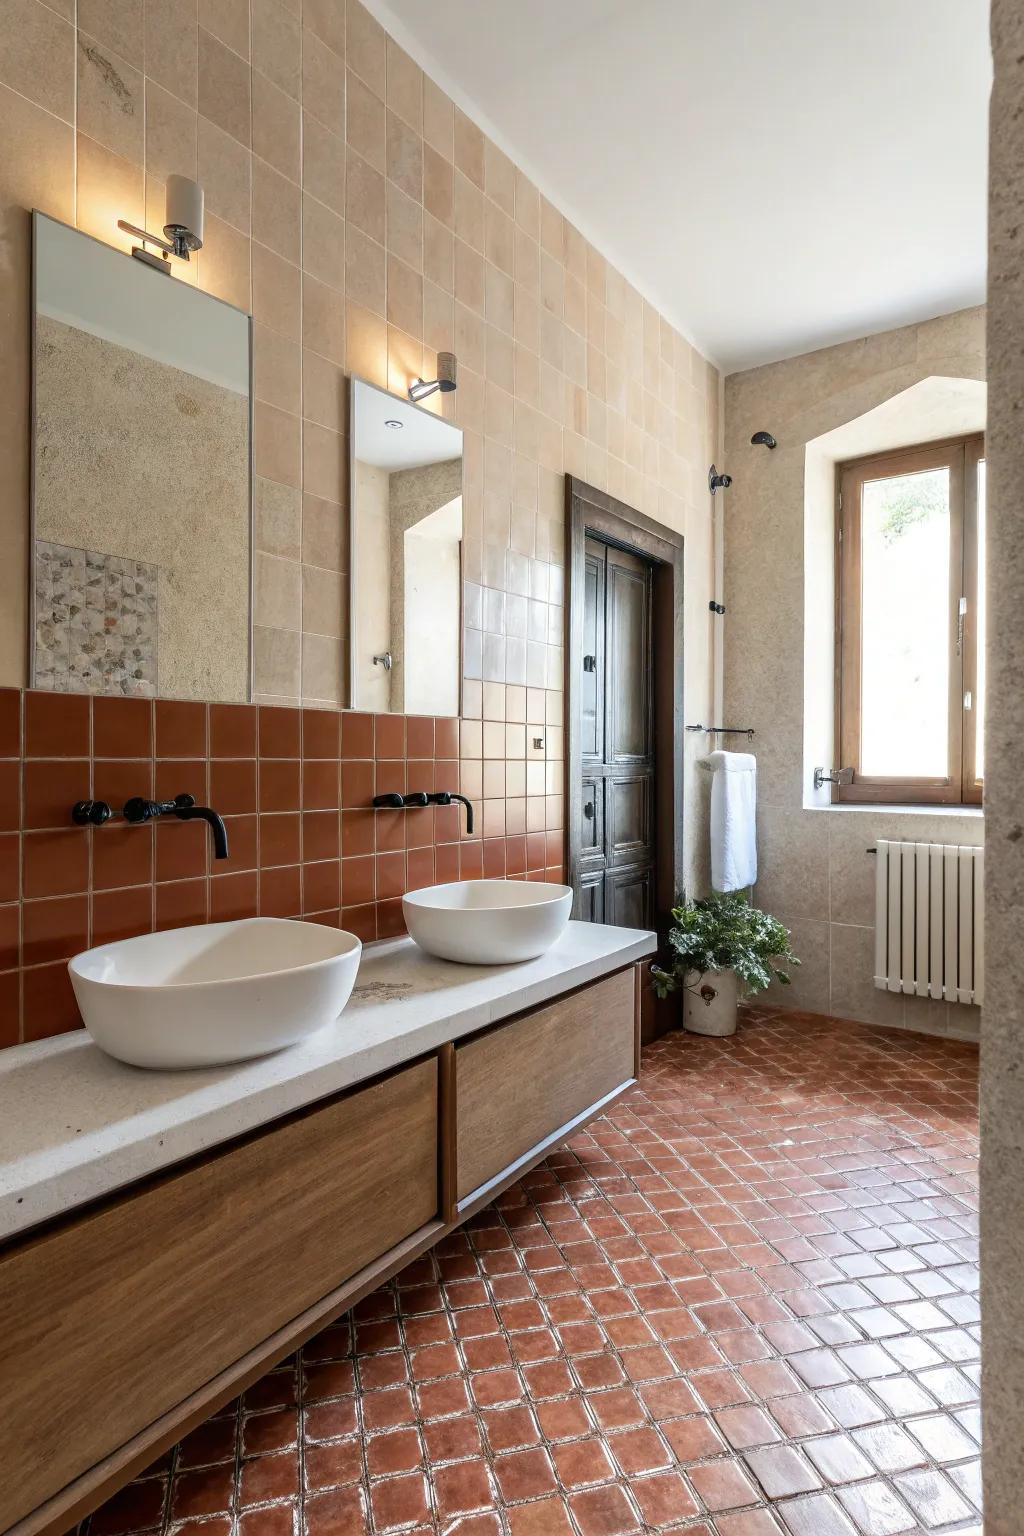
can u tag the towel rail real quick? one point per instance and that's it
(724, 730)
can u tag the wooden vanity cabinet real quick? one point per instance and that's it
(125, 1325)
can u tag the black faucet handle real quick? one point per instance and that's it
(184, 802)
(91, 813)
(418, 797)
(388, 802)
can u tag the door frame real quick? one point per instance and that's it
(590, 511)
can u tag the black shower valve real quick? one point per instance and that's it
(716, 607)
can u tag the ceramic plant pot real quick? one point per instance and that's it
(709, 1003)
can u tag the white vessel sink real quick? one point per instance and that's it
(220, 992)
(487, 922)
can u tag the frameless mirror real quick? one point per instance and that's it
(406, 557)
(141, 538)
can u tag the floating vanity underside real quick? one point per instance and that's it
(438, 1087)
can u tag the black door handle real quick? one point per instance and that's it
(588, 810)
(590, 663)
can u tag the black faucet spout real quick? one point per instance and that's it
(469, 811)
(214, 821)
(184, 808)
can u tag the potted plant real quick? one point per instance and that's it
(718, 945)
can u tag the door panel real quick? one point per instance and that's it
(616, 883)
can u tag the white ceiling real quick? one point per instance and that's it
(775, 177)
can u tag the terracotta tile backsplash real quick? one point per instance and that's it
(294, 787)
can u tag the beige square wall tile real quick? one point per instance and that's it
(404, 157)
(438, 119)
(224, 268)
(469, 148)
(278, 445)
(405, 227)
(365, 201)
(277, 663)
(278, 518)
(321, 670)
(276, 211)
(405, 86)
(277, 369)
(224, 95)
(438, 254)
(228, 20)
(365, 266)
(405, 298)
(326, 20)
(277, 592)
(323, 243)
(323, 391)
(171, 137)
(277, 45)
(324, 534)
(109, 188)
(323, 601)
(172, 46)
(110, 99)
(366, 47)
(365, 122)
(323, 319)
(324, 462)
(323, 164)
(276, 292)
(225, 168)
(37, 57)
(366, 345)
(116, 24)
(276, 127)
(323, 83)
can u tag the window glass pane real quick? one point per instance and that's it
(979, 701)
(905, 528)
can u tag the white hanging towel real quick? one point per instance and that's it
(733, 828)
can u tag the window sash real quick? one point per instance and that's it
(958, 785)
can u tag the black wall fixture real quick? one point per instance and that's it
(717, 482)
(763, 440)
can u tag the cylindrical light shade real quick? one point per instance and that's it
(184, 209)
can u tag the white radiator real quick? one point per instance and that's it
(930, 920)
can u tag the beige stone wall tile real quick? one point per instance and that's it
(500, 178)
(323, 165)
(277, 519)
(322, 679)
(365, 200)
(323, 243)
(277, 592)
(404, 157)
(438, 119)
(223, 264)
(276, 292)
(172, 46)
(225, 170)
(468, 212)
(438, 254)
(224, 95)
(323, 83)
(366, 47)
(853, 992)
(277, 45)
(277, 664)
(277, 370)
(438, 186)
(171, 136)
(469, 277)
(469, 148)
(404, 228)
(365, 267)
(324, 534)
(37, 58)
(323, 392)
(108, 188)
(278, 445)
(326, 20)
(438, 318)
(404, 86)
(228, 21)
(323, 319)
(365, 122)
(276, 127)
(499, 238)
(405, 298)
(324, 462)
(110, 100)
(116, 24)
(405, 360)
(323, 601)
(276, 215)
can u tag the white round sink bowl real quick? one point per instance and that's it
(487, 922)
(215, 993)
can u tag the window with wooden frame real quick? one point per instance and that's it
(910, 615)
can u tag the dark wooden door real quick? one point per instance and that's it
(616, 868)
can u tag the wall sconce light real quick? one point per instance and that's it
(447, 367)
(183, 231)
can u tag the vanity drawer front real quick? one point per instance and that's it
(521, 1082)
(111, 1320)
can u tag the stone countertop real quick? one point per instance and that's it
(75, 1124)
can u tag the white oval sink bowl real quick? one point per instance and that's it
(487, 922)
(216, 993)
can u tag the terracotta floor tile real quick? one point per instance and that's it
(718, 1311)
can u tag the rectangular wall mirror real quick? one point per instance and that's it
(406, 557)
(141, 538)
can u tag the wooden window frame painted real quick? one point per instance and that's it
(960, 785)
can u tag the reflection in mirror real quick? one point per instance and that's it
(141, 559)
(406, 530)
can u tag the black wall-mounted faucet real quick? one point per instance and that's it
(137, 810)
(419, 798)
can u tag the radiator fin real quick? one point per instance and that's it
(929, 920)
